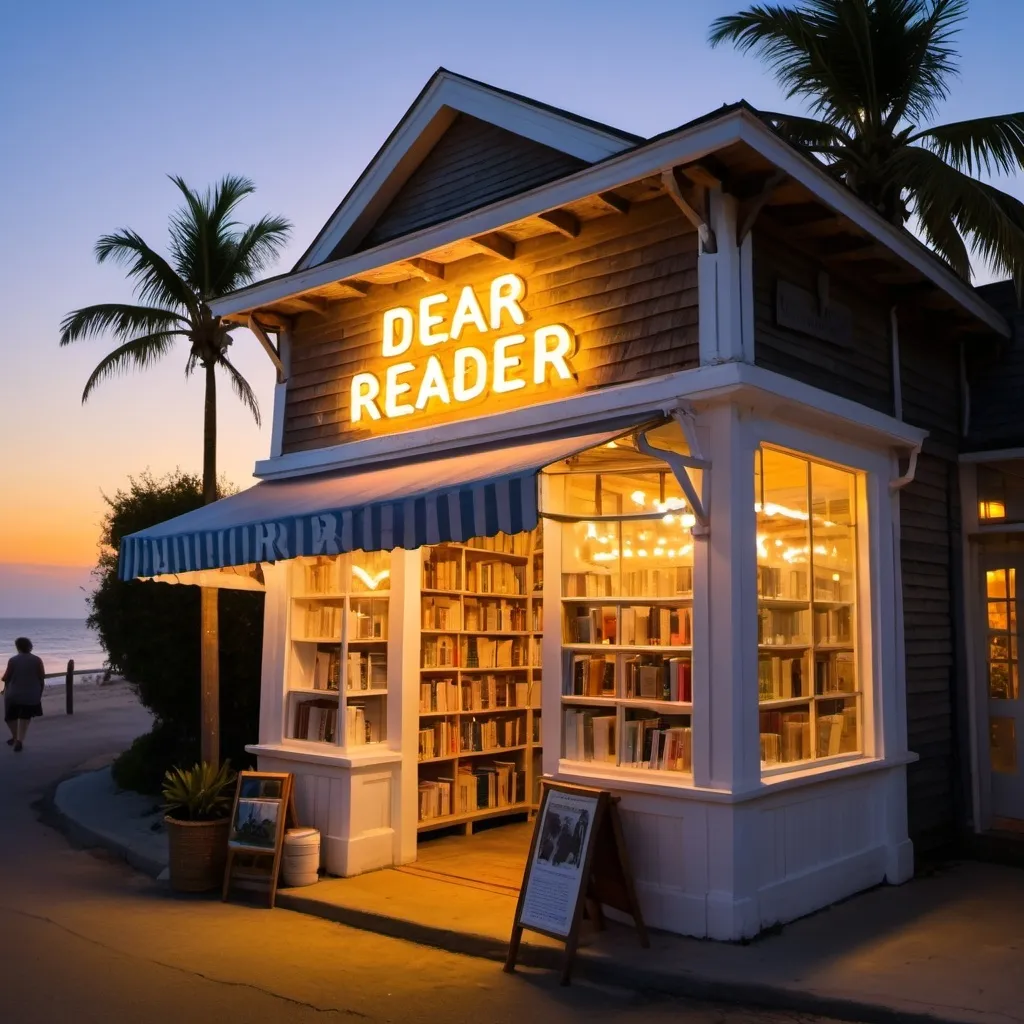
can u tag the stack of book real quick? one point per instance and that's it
(478, 735)
(495, 617)
(435, 799)
(589, 735)
(486, 652)
(322, 620)
(367, 671)
(316, 719)
(441, 613)
(486, 693)
(589, 675)
(440, 652)
(658, 745)
(327, 669)
(438, 739)
(441, 574)
(791, 734)
(676, 581)
(438, 695)
(486, 577)
(586, 584)
(653, 677)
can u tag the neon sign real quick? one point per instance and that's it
(498, 363)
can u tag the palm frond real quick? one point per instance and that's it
(139, 354)
(258, 247)
(242, 389)
(991, 144)
(119, 319)
(809, 133)
(156, 281)
(991, 221)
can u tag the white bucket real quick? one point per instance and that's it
(300, 856)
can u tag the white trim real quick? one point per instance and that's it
(684, 146)
(424, 124)
(996, 455)
(324, 755)
(772, 394)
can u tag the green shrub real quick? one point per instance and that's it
(200, 793)
(151, 634)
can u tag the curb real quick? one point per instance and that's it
(593, 968)
(87, 837)
(603, 970)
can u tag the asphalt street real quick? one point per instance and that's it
(85, 939)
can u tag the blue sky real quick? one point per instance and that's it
(100, 101)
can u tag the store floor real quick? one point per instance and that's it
(492, 859)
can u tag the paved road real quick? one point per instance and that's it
(85, 939)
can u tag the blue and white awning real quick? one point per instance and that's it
(401, 506)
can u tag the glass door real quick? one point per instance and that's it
(1005, 709)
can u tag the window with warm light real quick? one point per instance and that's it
(627, 609)
(807, 591)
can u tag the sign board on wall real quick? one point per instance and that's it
(452, 350)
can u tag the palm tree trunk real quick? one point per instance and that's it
(209, 624)
(210, 436)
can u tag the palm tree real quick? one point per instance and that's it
(872, 72)
(211, 254)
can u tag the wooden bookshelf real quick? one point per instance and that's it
(480, 629)
(336, 683)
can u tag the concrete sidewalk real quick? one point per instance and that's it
(948, 947)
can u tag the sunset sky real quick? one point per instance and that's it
(100, 101)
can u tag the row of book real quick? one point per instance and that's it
(476, 652)
(783, 626)
(502, 784)
(366, 670)
(791, 584)
(645, 677)
(442, 574)
(782, 678)
(669, 581)
(369, 619)
(322, 620)
(446, 737)
(321, 576)
(478, 693)
(504, 543)
(486, 577)
(630, 626)
(317, 719)
(786, 735)
(657, 744)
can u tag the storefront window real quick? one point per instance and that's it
(627, 610)
(808, 678)
(1001, 593)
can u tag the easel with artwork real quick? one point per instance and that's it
(577, 862)
(264, 808)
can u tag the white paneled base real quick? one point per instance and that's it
(350, 806)
(727, 869)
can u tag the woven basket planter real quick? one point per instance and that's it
(198, 850)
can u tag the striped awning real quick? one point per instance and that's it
(399, 506)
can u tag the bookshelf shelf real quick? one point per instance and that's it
(428, 824)
(680, 599)
(480, 614)
(631, 648)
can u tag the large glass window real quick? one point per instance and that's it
(808, 674)
(627, 609)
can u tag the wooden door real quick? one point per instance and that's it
(1004, 588)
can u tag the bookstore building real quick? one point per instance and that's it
(630, 463)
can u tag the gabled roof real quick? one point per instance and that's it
(442, 100)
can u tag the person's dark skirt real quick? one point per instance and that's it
(13, 712)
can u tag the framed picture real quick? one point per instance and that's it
(255, 824)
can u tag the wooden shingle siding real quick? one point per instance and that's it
(996, 373)
(474, 163)
(627, 287)
(861, 371)
(929, 508)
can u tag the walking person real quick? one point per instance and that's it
(23, 691)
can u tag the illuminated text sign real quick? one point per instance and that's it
(484, 352)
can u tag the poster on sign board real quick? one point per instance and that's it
(555, 876)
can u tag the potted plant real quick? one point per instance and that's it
(197, 805)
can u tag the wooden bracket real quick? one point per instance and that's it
(756, 205)
(562, 221)
(670, 181)
(495, 245)
(614, 201)
(427, 270)
(271, 349)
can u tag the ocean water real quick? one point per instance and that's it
(55, 641)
